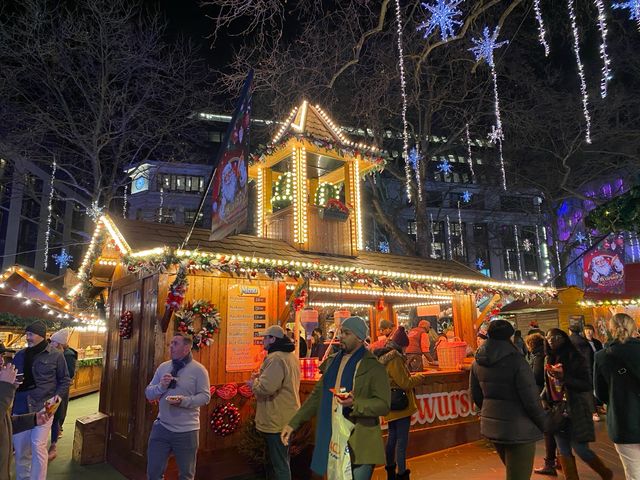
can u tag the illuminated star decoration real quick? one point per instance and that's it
(94, 211)
(527, 245)
(479, 263)
(445, 167)
(466, 196)
(483, 50)
(383, 247)
(580, 238)
(443, 16)
(63, 259)
(634, 9)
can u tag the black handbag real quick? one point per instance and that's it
(399, 399)
(557, 419)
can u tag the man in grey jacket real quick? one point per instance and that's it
(45, 375)
(181, 385)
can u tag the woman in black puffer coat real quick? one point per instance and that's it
(568, 377)
(503, 387)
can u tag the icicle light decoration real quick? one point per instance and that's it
(433, 237)
(604, 56)
(47, 235)
(517, 239)
(449, 246)
(542, 34)
(124, 203)
(583, 81)
(461, 232)
(403, 92)
(469, 157)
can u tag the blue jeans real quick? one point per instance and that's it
(565, 444)
(278, 455)
(162, 443)
(396, 449)
(362, 472)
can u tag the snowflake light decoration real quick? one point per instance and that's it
(414, 158)
(383, 247)
(485, 45)
(443, 16)
(527, 245)
(580, 238)
(479, 263)
(466, 196)
(95, 211)
(634, 9)
(63, 259)
(445, 167)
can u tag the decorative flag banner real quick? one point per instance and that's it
(229, 189)
(603, 267)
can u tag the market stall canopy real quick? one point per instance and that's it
(152, 247)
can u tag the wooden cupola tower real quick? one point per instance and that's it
(308, 184)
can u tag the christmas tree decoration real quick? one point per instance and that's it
(580, 238)
(527, 246)
(445, 167)
(47, 235)
(634, 9)
(469, 158)
(63, 259)
(444, 15)
(466, 196)
(604, 56)
(95, 211)
(581, 76)
(283, 195)
(403, 92)
(479, 264)
(542, 34)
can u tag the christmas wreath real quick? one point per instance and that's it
(203, 310)
(225, 419)
(125, 327)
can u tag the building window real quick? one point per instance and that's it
(166, 215)
(180, 183)
(190, 214)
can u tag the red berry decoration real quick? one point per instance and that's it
(225, 419)
(125, 326)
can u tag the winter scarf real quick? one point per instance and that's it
(283, 344)
(323, 429)
(178, 365)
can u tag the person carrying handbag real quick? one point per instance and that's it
(617, 383)
(569, 398)
(403, 402)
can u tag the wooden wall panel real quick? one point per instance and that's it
(464, 317)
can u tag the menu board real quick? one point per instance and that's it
(247, 311)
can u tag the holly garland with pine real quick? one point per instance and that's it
(250, 268)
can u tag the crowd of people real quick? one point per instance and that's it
(39, 373)
(552, 385)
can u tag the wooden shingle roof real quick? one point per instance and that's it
(146, 235)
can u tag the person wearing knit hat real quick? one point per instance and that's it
(420, 346)
(503, 386)
(60, 341)
(403, 402)
(45, 376)
(337, 396)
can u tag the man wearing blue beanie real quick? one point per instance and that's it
(367, 396)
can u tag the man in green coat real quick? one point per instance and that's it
(364, 380)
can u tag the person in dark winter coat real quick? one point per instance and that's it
(617, 383)
(581, 344)
(503, 386)
(537, 346)
(568, 379)
(595, 345)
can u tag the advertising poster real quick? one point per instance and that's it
(248, 307)
(603, 267)
(229, 188)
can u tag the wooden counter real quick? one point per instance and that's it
(87, 377)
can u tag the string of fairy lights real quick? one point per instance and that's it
(47, 235)
(581, 75)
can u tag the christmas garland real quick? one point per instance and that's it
(324, 143)
(210, 322)
(177, 289)
(281, 269)
(225, 419)
(125, 327)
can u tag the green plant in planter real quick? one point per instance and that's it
(283, 194)
(325, 192)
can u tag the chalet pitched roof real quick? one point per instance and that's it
(146, 235)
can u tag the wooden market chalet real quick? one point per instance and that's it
(299, 241)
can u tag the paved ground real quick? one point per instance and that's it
(476, 461)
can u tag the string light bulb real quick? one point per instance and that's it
(47, 235)
(542, 33)
(581, 76)
(604, 56)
